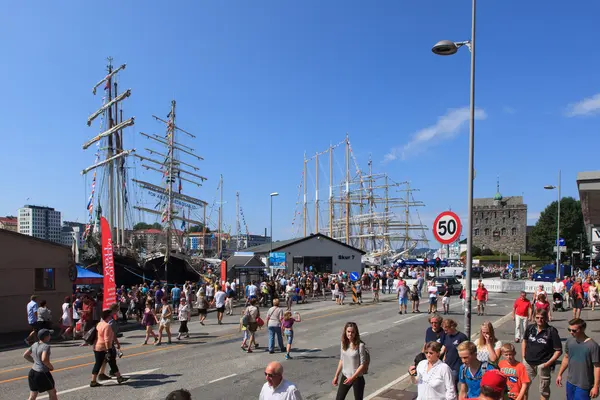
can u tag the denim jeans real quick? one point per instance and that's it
(275, 331)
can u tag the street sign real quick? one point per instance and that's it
(354, 276)
(561, 242)
(563, 249)
(595, 235)
(447, 227)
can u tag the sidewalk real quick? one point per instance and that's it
(403, 389)
(12, 340)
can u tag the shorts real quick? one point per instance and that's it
(176, 303)
(402, 301)
(289, 335)
(35, 326)
(545, 377)
(433, 300)
(415, 298)
(40, 381)
(221, 309)
(165, 322)
(445, 300)
(202, 311)
(577, 393)
(578, 303)
(252, 327)
(481, 303)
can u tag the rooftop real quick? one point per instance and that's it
(9, 220)
(266, 248)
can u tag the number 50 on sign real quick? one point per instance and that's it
(447, 227)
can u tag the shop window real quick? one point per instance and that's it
(44, 279)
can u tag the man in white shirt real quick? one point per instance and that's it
(219, 303)
(558, 286)
(277, 388)
(252, 291)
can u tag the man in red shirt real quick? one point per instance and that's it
(481, 295)
(521, 314)
(577, 296)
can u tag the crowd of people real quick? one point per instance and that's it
(450, 365)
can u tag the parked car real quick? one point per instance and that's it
(453, 284)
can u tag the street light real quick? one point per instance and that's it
(551, 187)
(272, 195)
(446, 48)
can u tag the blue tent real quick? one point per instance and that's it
(87, 277)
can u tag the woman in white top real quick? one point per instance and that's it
(433, 292)
(352, 365)
(66, 320)
(488, 346)
(432, 376)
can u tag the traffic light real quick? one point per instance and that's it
(437, 262)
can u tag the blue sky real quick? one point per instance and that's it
(262, 82)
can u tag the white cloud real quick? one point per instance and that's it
(587, 106)
(446, 127)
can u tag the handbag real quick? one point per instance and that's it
(259, 321)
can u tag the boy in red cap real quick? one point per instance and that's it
(493, 386)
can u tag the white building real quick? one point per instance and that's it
(246, 241)
(40, 222)
(72, 231)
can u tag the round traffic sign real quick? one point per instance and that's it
(354, 276)
(447, 227)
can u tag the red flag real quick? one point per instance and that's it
(108, 264)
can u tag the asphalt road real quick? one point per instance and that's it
(212, 366)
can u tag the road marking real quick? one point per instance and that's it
(92, 363)
(222, 378)
(364, 333)
(101, 382)
(309, 351)
(498, 322)
(66, 359)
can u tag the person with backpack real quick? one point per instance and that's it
(353, 364)
(471, 372)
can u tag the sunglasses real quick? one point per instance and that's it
(268, 375)
(572, 330)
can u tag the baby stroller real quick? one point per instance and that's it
(557, 302)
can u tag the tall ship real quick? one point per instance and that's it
(109, 182)
(359, 207)
(167, 257)
(160, 254)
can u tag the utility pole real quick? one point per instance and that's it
(317, 194)
(304, 205)
(330, 191)
(347, 190)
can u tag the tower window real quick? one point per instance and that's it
(514, 231)
(476, 231)
(487, 231)
(503, 232)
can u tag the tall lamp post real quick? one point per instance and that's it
(271, 251)
(551, 187)
(447, 48)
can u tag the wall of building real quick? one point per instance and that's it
(40, 222)
(500, 226)
(344, 258)
(21, 256)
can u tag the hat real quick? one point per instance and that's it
(42, 333)
(494, 380)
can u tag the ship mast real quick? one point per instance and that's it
(114, 158)
(171, 169)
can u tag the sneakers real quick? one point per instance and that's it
(94, 384)
(122, 379)
(287, 356)
(104, 377)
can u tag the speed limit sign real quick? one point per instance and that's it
(446, 227)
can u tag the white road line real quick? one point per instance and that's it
(310, 351)
(102, 382)
(376, 393)
(222, 378)
(364, 333)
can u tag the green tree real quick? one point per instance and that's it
(198, 228)
(543, 235)
(476, 251)
(143, 225)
